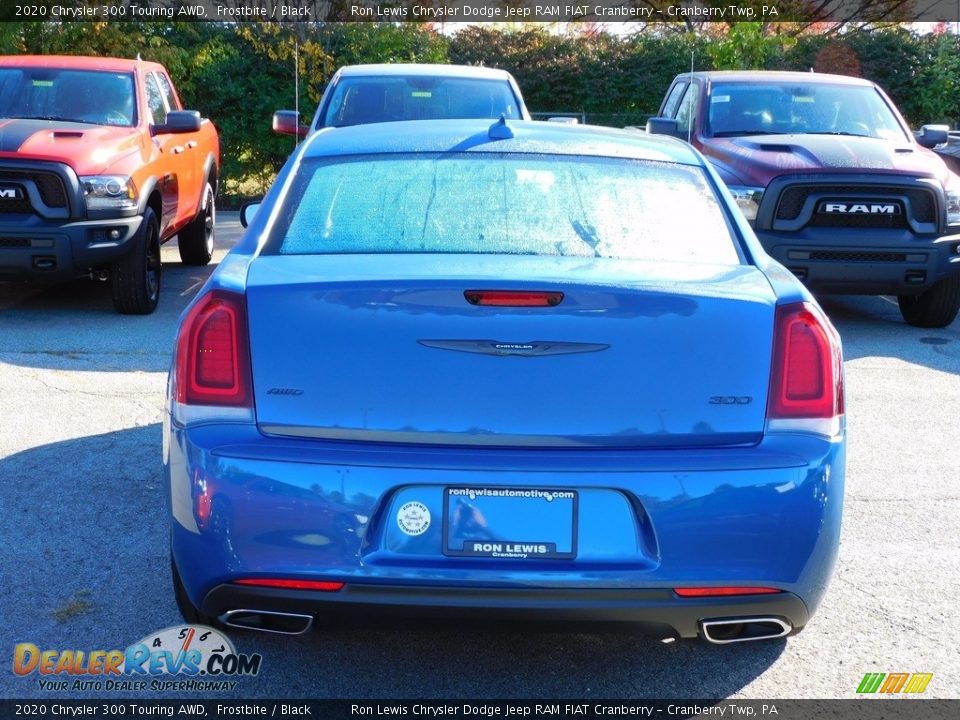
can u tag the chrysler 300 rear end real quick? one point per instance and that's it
(521, 371)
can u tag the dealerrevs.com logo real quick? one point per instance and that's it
(180, 658)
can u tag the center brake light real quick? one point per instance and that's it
(513, 298)
(213, 355)
(806, 380)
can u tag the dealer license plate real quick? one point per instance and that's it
(510, 523)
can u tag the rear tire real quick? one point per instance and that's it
(195, 241)
(191, 613)
(935, 308)
(135, 278)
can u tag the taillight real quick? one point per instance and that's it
(213, 357)
(806, 381)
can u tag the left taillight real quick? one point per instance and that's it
(806, 379)
(213, 355)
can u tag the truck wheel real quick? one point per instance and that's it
(935, 308)
(196, 239)
(135, 278)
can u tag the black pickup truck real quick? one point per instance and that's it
(836, 186)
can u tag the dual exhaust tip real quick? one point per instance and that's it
(719, 632)
(726, 631)
(280, 623)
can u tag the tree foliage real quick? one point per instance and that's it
(594, 74)
(746, 46)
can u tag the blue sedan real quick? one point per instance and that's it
(510, 370)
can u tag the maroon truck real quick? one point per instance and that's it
(833, 181)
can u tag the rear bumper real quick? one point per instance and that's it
(38, 250)
(867, 262)
(656, 611)
(244, 505)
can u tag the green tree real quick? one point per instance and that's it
(240, 82)
(10, 38)
(747, 46)
(937, 96)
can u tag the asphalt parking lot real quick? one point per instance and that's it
(84, 532)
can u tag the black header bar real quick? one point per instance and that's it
(610, 709)
(478, 11)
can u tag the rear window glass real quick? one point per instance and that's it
(358, 101)
(492, 203)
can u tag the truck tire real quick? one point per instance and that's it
(935, 308)
(196, 239)
(135, 278)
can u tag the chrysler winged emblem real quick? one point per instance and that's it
(502, 348)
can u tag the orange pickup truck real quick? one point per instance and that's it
(100, 165)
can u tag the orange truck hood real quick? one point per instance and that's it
(89, 149)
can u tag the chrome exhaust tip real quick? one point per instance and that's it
(280, 623)
(734, 630)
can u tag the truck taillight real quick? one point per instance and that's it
(213, 356)
(806, 381)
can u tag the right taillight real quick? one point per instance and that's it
(213, 358)
(806, 381)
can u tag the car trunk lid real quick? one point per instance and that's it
(395, 349)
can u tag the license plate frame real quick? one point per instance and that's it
(553, 515)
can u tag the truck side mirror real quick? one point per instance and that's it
(287, 122)
(933, 135)
(178, 121)
(662, 126)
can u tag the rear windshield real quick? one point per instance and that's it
(105, 98)
(493, 203)
(358, 101)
